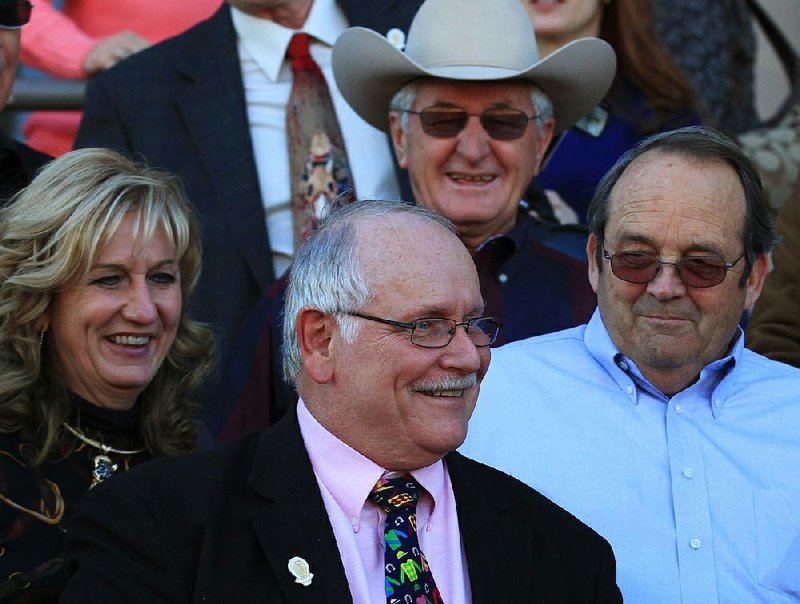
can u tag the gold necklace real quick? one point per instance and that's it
(103, 466)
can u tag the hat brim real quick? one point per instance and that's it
(369, 71)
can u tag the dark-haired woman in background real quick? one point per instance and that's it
(98, 256)
(649, 94)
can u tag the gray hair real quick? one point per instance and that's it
(699, 143)
(326, 272)
(404, 99)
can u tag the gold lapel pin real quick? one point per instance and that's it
(301, 571)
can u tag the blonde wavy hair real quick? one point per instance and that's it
(50, 235)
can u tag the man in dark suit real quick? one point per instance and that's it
(387, 346)
(186, 106)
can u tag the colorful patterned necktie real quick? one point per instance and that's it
(317, 158)
(408, 576)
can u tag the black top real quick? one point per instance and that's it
(18, 165)
(37, 504)
(222, 525)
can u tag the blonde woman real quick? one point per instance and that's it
(98, 256)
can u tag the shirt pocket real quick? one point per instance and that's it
(777, 516)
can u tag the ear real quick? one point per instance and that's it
(314, 329)
(544, 142)
(755, 281)
(399, 139)
(591, 255)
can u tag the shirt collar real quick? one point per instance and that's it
(266, 41)
(624, 370)
(516, 236)
(347, 474)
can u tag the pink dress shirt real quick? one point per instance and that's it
(345, 478)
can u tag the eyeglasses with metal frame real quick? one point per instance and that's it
(436, 332)
(500, 123)
(14, 13)
(694, 271)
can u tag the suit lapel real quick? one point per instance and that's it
(294, 522)
(213, 107)
(498, 548)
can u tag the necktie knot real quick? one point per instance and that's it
(396, 493)
(299, 54)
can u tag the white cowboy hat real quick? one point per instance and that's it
(470, 40)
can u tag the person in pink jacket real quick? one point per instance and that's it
(89, 36)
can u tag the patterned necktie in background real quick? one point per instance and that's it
(408, 576)
(317, 158)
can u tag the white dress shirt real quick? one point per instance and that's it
(267, 81)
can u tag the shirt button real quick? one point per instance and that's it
(717, 403)
(502, 277)
(694, 543)
(678, 408)
(623, 365)
(688, 473)
(629, 389)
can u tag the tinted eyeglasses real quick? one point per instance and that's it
(500, 123)
(694, 271)
(437, 333)
(14, 13)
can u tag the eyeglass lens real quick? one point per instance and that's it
(500, 124)
(14, 13)
(438, 332)
(697, 271)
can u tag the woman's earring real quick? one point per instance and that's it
(41, 339)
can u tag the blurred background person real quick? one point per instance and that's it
(18, 162)
(649, 94)
(774, 328)
(713, 41)
(97, 259)
(86, 37)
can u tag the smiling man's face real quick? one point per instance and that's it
(472, 179)
(673, 206)
(399, 404)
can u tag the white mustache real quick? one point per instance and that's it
(447, 383)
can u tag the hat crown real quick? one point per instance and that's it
(477, 33)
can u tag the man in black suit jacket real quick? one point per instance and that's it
(181, 105)
(393, 398)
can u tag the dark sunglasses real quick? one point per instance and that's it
(14, 13)
(445, 122)
(694, 271)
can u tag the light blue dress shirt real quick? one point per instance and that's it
(698, 494)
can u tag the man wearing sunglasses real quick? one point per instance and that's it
(472, 137)
(471, 110)
(18, 162)
(653, 423)
(356, 495)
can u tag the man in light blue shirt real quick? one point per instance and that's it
(653, 424)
